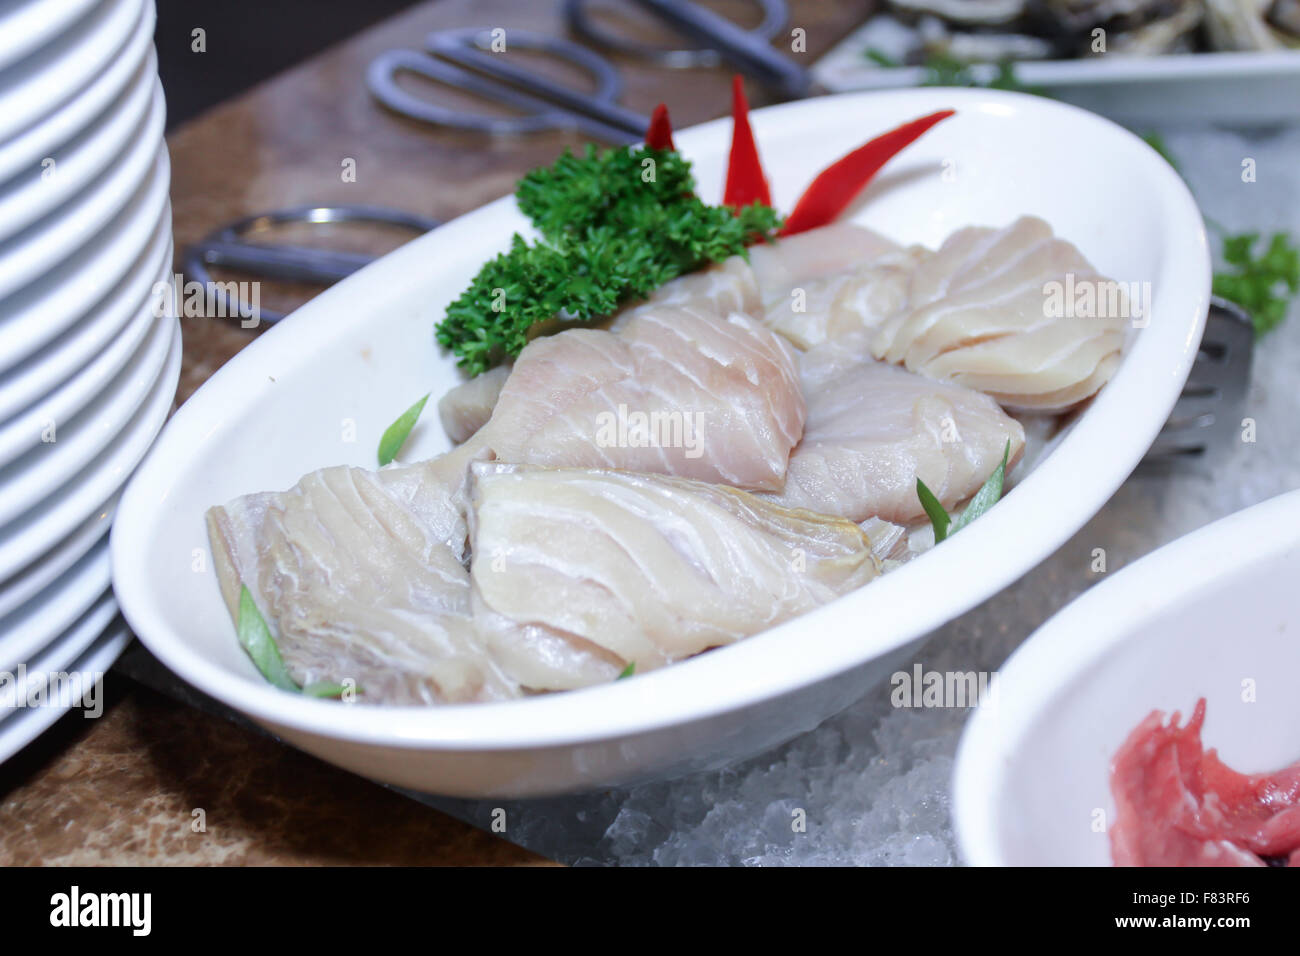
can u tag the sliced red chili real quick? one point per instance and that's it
(835, 187)
(660, 133)
(746, 183)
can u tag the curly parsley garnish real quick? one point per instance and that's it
(615, 226)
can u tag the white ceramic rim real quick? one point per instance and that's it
(1074, 639)
(33, 24)
(69, 506)
(43, 246)
(49, 567)
(715, 683)
(25, 199)
(63, 359)
(87, 430)
(63, 296)
(41, 85)
(21, 729)
(30, 146)
(30, 629)
(99, 392)
(1102, 71)
(72, 642)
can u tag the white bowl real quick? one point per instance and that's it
(25, 26)
(52, 240)
(106, 266)
(82, 432)
(1196, 618)
(23, 726)
(34, 87)
(65, 508)
(68, 170)
(86, 343)
(28, 148)
(361, 351)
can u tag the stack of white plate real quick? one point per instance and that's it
(89, 347)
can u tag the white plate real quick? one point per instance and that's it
(52, 240)
(71, 167)
(27, 630)
(1189, 87)
(86, 411)
(58, 654)
(32, 88)
(51, 565)
(47, 307)
(24, 726)
(24, 540)
(29, 23)
(28, 148)
(62, 358)
(1196, 618)
(361, 349)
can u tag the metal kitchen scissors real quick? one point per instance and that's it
(230, 248)
(463, 59)
(717, 40)
(471, 60)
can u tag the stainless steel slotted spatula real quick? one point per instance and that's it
(1208, 414)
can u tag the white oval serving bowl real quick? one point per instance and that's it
(1195, 618)
(359, 353)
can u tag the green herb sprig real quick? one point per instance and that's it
(982, 501)
(941, 70)
(615, 227)
(395, 435)
(1262, 284)
(256, 639)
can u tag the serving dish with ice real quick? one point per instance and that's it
(821, 379)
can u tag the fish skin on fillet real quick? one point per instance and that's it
(359, 575)
(579, 572)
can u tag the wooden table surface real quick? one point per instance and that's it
(124, 789)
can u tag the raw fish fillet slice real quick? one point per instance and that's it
(354, 575)
(845, 305)
(816, 254)
(675, 391)
(467, 407)
(578, 572)
(873, 429)
(721, 289)
(978, 314)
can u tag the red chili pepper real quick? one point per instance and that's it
(660, 133)
(746, 183)
(834, 188)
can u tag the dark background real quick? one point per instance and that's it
(248, 41)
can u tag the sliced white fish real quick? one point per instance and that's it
(816, 254)
(846, 306)
(579, 572)
(359, 577)
(982, 313)
(675, 391)
(873, 429)
(726, 287)
(467, 407)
